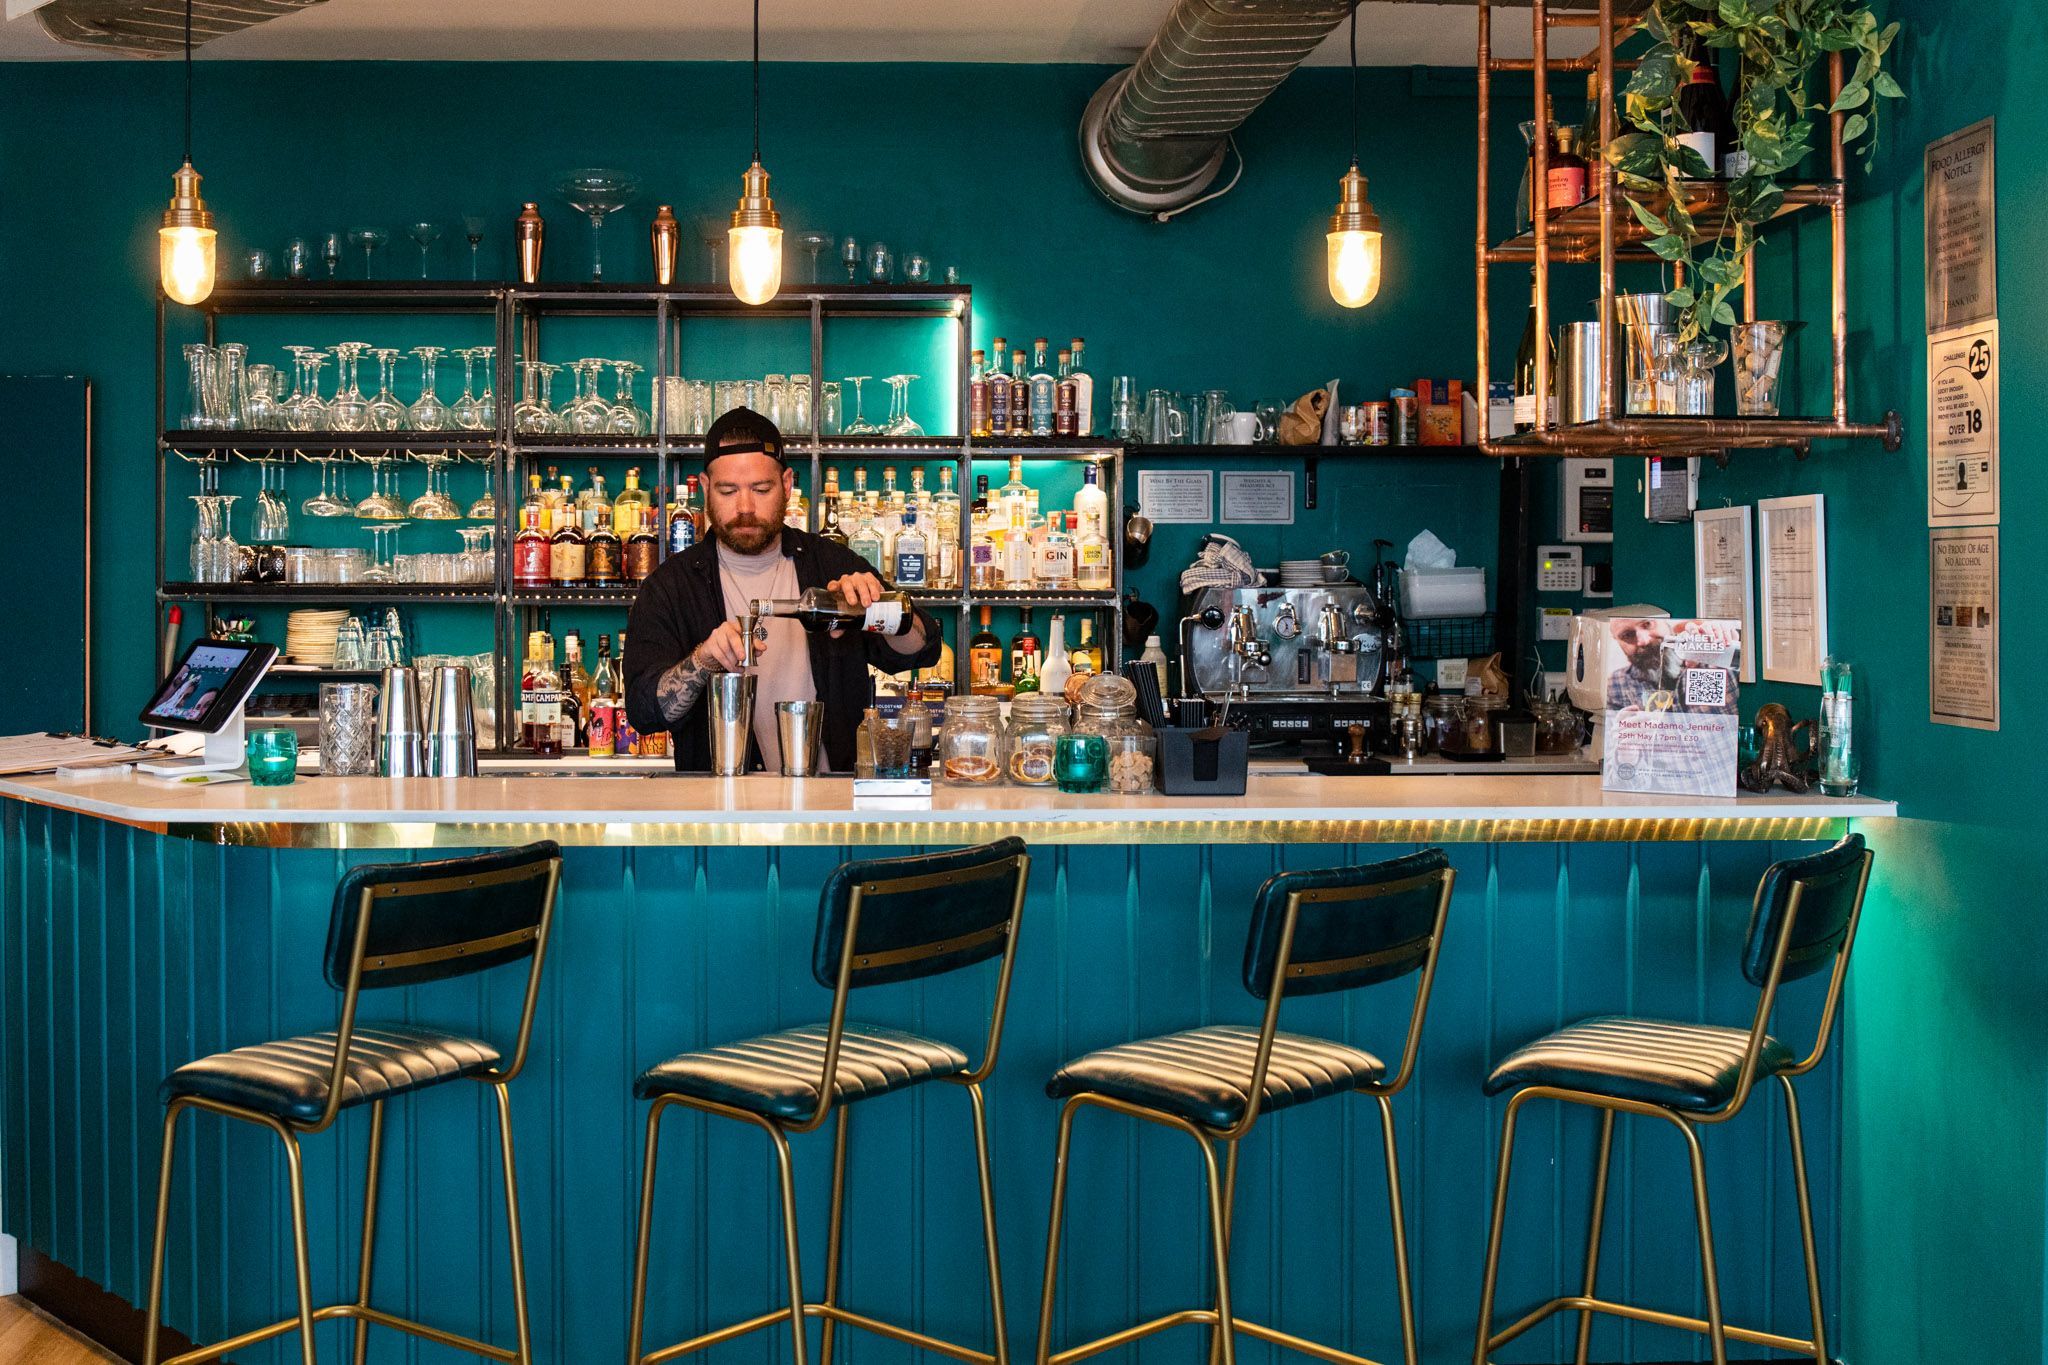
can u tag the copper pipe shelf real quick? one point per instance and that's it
(1575, 232)
(1644, 435)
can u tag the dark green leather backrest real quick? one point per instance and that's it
(1833, 884)
(435, 920)
(910, 927)
(1345, 943)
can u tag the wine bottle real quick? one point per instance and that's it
(1527, 402)
(1704, 122)
(819, 609)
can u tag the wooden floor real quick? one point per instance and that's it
(29, 1338)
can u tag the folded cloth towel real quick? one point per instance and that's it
(1220, 563)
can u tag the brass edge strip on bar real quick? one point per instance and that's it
(442, 954)
(958, 944)
(982, 829)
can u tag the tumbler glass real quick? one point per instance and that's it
(1759, 355)
(273, 756)
(348, 729)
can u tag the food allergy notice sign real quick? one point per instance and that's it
(1962, 426)
(1962, 228)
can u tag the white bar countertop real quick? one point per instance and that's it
(648, 809)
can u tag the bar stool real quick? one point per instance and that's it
(394, 924)
(882, 921)
(1311, 932)
(1802, 921)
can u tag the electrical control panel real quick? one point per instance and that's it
(1560, 568)
(1588, 504)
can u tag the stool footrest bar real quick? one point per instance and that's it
(1203, 1316)
(1302, 1344)
(358, 1312)
(1580, 1304)
(818, 1310)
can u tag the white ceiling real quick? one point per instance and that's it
(1105, 31)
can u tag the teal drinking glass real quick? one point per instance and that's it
(273, 757)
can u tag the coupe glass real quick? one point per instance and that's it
(473, 225)
(428, 412)
(435, 504)
(424, 235)
(325, 503)
(899, 407)
(813, 245)
(859, 426)
(381, 504)
(367, 240)
(381, 537)
(468, 410)
(348, 411)
(628, 418)
(385, 411)
(597, 193)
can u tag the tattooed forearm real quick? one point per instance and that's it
(679, 688)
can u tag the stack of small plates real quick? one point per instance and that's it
(1301, 573)
(309, 637)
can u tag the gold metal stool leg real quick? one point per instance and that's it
(156, 1255)
(1820, 1331)
(639, 1319)
(301, 1255)
(512, 1235)
(1219, 1237)
(1500, 1202)
(834, 1234)
(787, 1173)
(1229, 1221)
(1717, 1337)
(1400, 1232)
(1600, 1165)
(998, 1319)
(362, 1326)
(1052, 1236)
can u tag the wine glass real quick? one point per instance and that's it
(205, 532)
(428, 412)
(712, 233)
(424, 235)
(468, 411)
(386, 413)
(473, 225)
(859, 426)
(348, 411)
(813, 244)
(381, 537)
(330, 254)
(368, 240)
(628, 418)
(377, 505)
(312, 410)
(487, 401)
(596, 193)
(850, 256)
(899, 408)
(485, 508)
(325, 503)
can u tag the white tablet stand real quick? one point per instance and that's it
(225, 751)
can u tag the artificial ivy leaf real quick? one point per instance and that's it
(1719, 270)
(1886, 86)
(1670, 247)
(1692, 165)
(1835, 40)
(1634, 154)
(1648, 219)
(1656, 78)
(1856, 126)
(1854, 96)
(1723, 314)
(1884, 40)
(1680, 297)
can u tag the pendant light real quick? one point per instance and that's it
(1354, 238)
(186, 241)
(753, 245)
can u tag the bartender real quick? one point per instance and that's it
(686, 620)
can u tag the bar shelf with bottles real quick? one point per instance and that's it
(1600, 228)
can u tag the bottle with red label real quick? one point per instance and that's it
(530, 552)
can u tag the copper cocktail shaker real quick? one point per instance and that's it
(529, 233)
(667, 236)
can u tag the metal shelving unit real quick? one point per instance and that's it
(1600, 230)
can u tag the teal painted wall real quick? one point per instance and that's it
(1946, 1123)
(974, 164)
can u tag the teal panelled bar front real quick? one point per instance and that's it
(124, 953)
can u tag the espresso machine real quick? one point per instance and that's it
(1299, 666)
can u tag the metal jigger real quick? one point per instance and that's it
(451, 724)
(729, 706)
(400, 751)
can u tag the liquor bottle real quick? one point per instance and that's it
(828, 504)
(642, 550)
(601, 713)
(682, 523)
(1015, 497)
(604, 558)
(530, 551)
(593, 494)
(983, 570)
(540, 700)
(1058, 666)
(1052, 560)
(1063, 397)
(565, 552)
(697, 496)
(1044, 391)
(1735, 159)
(820, 609)
(919, 499)
(998, 394)
(1155, 655)
(796, 513)
(980, 508)
(1590, 148)
(1020, 396)
(1084, 393)
(577, 682)
(946, 532)
(604, 680)
(551, 493)
(631, 507)
(1567, 175)
(977, 394)
(1014, 556)
(1091, 504)
(1025, 654)
(912, 566)
(984, 658)
(1703, 115)
(1093, 571)
(1527, 403)
(1087, 655)
(866, 541)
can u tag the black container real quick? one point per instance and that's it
(1198, 767)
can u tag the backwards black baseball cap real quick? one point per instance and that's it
(743, 432)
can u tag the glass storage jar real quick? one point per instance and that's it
(1133, 749)
(1037, 720)
(1557, 727)
(971, 744)
(1443, 719)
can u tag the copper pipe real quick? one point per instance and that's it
(1588, 62)
(1838, 221)
(1749, 282)
(1695, 435)
(1485, 255)
(1539, 210)
(1604, 348)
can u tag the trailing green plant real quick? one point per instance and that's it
(1778, 115)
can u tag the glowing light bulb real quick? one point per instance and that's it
(1354, 267)
(754, 260)
(186, 241)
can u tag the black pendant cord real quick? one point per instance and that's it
(757, 79)
(188, 79)
(1354, 82)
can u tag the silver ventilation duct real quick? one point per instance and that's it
(154, 28)
(1153, 136)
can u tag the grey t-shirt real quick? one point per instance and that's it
(784, 670)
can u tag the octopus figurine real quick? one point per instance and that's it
(1779, 762)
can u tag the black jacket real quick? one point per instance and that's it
(681, 603)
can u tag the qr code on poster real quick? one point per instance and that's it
(1706, 689)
